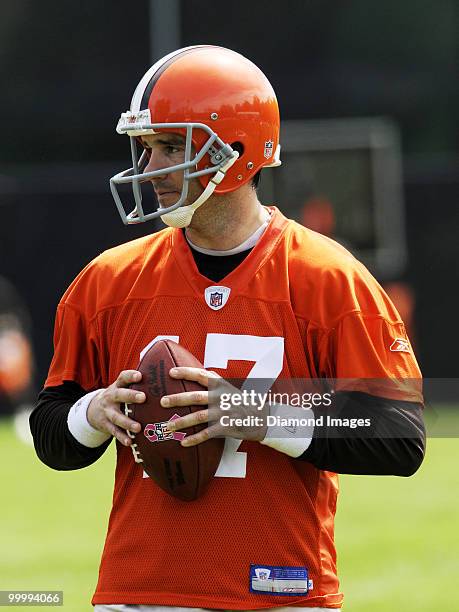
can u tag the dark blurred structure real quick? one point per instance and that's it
(354, 164)
(318, 213)
(69, 70)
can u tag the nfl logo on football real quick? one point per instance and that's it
(157, 432)
(161, 432)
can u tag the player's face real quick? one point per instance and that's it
(168, 150)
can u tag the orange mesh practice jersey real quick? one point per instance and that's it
(299, 306)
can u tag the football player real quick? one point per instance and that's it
(253, 295)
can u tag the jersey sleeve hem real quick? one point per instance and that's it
(67, 375)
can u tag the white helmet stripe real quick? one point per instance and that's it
(145, 80)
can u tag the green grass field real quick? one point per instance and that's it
(397, 538)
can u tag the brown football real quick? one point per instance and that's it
(182, 472)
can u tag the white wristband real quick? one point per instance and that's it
(78, 424)
(292, 429)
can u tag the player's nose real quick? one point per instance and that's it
(157, 161)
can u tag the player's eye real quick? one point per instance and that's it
(173, 149)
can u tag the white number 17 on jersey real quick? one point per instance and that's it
(268, 354)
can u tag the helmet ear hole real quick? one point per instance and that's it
(239, 147)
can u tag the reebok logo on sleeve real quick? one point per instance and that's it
(400, 345)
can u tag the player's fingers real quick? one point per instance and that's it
(214, 415)
(120, 434)
(128, 396)
(123, 421)
(205, 434)
(189, 420)
(187, 398)
(200, 375)
(127, 377)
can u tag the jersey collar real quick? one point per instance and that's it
(241, 275)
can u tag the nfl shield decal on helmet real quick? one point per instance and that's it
(268, 148)
(216, 296)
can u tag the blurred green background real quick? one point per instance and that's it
(397, 538)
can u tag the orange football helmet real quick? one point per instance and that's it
(225, 108)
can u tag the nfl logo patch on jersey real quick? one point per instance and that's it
(216, 296)
(262, 573)
(216, 299)
(279, 580)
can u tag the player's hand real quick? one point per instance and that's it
(217, 426)
(104, 411)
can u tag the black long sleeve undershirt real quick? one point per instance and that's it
(396, 448)
(54, 444)
(394, 444)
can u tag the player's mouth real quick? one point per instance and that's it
(164, 196)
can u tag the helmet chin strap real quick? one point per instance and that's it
(181, 217)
